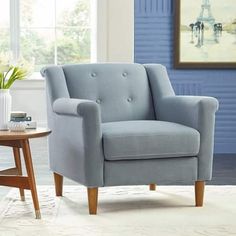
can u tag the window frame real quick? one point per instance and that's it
(102, 49)
(15, 29)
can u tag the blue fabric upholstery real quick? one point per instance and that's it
(122, 91)
(198, 113)
(165, 138)
(161, 171)
(130, 140)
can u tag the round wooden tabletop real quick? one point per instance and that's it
(27, 134)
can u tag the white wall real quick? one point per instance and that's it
(29, 96)
(115, 30)
(114, 43)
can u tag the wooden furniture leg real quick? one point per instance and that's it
(58, 179)
(16, 152)
(30, 172)
(199, 193)
(152, 187)
(92, 200)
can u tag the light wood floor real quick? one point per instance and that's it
(224, 168)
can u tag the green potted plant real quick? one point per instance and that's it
(8, 75)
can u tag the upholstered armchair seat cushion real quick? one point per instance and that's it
(129, 140)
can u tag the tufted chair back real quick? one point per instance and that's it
(121, 90)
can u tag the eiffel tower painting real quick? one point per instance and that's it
(205, 34)
(205, 14)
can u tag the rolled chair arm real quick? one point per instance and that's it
(187, 110)
(78, 123)
(75, 107)
(197, 112)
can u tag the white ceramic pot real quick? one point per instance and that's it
(5, 108)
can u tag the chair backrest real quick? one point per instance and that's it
(121, 90)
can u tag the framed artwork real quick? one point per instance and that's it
(205, 34)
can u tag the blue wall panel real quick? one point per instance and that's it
(154, 24)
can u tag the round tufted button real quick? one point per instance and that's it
(124, 74)
(98, 101)
(129, 99)
(93, 74)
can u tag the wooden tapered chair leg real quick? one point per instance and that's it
(58, 179)
(92, 200)
(199, 193)
(152, 187)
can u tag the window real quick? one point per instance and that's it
(46, 32)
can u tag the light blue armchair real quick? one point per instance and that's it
(122, 124)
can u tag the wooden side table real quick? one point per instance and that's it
(13, 177)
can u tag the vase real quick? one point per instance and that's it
(5, 108)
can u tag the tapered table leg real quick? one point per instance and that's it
(16, 152)
(30, 172)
